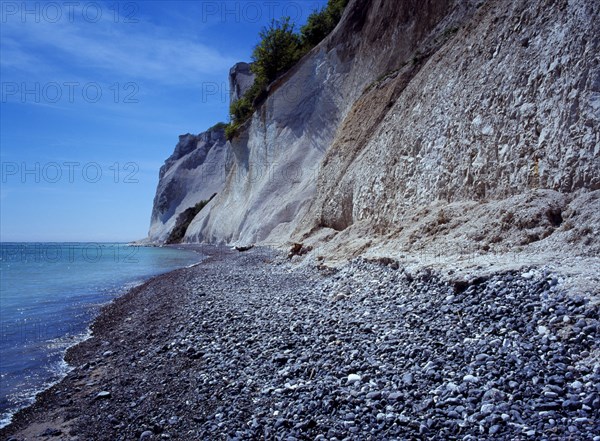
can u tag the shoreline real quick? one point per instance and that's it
(245, 344)
(87, 333)
(79, 355)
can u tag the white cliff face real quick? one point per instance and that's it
(507, 106)
(469, 124)
(276, 158)
(196, 170)
(274, 176)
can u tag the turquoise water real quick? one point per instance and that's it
(49, 293)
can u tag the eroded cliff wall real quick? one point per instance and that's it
(508, 106)
(277, 158)
(194, 172)
(461, 122)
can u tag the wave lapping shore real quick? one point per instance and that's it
(244, 346)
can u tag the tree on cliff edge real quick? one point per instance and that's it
(321, 23)
(278, 50)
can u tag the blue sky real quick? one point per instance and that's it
(94, 96)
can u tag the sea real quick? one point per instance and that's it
(50, 293)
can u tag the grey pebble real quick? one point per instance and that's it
(264, 353)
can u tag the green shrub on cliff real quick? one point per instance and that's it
(242, 109)
(316, 29)
(278, 50)
(232, 130)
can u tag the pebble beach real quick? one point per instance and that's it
(248, 346)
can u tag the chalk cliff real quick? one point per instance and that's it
(415, 123)
(194, 172)
(278, 155)
(493, 144)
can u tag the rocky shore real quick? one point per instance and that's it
(246, 346)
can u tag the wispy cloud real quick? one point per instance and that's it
(141, 50)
